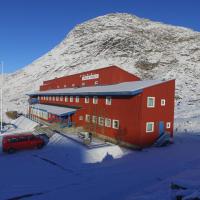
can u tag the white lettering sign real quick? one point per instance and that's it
(90, 77)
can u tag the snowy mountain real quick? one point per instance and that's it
(149, 49)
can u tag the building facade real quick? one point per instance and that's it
(109, 102)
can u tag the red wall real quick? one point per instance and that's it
(108, 75)
(159, 113)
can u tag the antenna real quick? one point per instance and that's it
(1, 96)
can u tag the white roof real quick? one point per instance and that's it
(126, 88)
(56, 110)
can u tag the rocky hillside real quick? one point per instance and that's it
(149, 49)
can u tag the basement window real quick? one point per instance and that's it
(150, 102)
(168, 125)
(149, 127)
(108, 100)
(107, 122)
(163, 102)
(115, 124)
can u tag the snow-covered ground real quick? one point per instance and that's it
(58, 172)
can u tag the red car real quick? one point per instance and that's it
(12, 143)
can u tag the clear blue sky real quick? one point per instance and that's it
(30, 28)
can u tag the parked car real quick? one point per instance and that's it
(12, 143)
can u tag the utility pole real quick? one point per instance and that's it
(1, 96)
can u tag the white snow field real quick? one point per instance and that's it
(58, 172)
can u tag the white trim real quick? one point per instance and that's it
(71, 99)
(77, 99)
(87, 118)
(108, 122)
(95, 100)
(87, 99)
(162, 102)
(168, 125)
(94, 119)
(151, 106)
(101, 123)
(152, 130)
(113, 124)
(108, 100)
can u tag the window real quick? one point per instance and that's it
(61, 98)
(66, 98)
(163, 102)
(96, 82)
(149, 127)
(168, 125)
(94, 119)
(108, 100)
(95, 100)
(150, 102)
(57, 98)
(87, 100)
(47, 98)
(53, 98)
(87, 118)
(107, 122)
(77, 99)
(83, 84)
(50, 98)
(101, 121)
(71, 99)
(80, 117)
(115, 124)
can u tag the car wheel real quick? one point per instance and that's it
(11, 150)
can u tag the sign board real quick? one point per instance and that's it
(90, 77)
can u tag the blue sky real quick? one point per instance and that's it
(30, 28)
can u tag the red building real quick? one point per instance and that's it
(109, 102)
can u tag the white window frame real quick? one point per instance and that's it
(113, 123)
(87, 99)
(108, 122)
(163, 102)
(77, 99)
(87, 118)
(53, 98)
(101, 121)
(95, 99)
(61, 98)
(80, 117)
(151, 106)
(57, 98)
(71, 99)
(168, 125)
(66, 98)
(94, 119)
(147, 124)
(108, 100)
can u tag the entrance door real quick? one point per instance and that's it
(161, 128)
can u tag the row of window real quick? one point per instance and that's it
(101, 121)
(39, 113)
(108, 100)
(151, 102)
(150, 126)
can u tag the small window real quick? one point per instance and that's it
(96, 82)
(47, 98)
(71, 99)
(87, 100)
(108, 100)
(94, 119)
(61, 98)
(95, 100)
(65, 86)
(50, 98)
(87, 118)
(163, 102)
(81, 118)
(53, 98)
(77, 99)
(66, 98)
(58, 86)
(107, 122)
(83, 84)
(101, 121)
(150, 102)
(57, 98)
(73, 85)
(115, 124)
(168, 125)
(149, 127)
